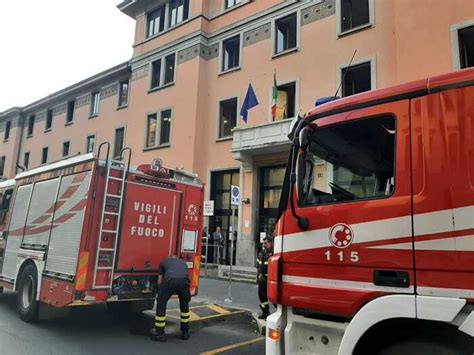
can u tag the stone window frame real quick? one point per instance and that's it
(87, 142)
(158, 114)
(370, 24)
(161, 84)
(7, 131)
(297, 81)
(92, 104)
(373, 72)
(124, 144)
(221, 53)
(42, 155)
(69, 149)
(218, 121)
(225, 7)
(454, 29)
(297, 13)
(167, 25)
(48, 112)
(123, 105)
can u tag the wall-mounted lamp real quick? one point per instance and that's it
(246, 200)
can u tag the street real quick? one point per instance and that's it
(215, 329)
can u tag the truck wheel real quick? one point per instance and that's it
(26, 304)
(416, 346)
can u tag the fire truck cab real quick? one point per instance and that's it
(90, 229)
(374, 247)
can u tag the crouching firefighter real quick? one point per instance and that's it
(262, 274)
(173, 279)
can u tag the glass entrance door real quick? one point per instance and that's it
(270, 185)
(221, 182)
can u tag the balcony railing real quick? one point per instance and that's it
(260, 140)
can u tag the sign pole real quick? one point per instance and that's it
(207, 246)
(229, 295)
(234, 201)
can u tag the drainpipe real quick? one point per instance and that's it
(17, 164)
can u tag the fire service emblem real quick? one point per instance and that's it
(341, 235)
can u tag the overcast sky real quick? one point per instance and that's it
(50, 44)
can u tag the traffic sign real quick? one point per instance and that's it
(234, 195)
(209, 208)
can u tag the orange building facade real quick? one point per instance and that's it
(179, 97)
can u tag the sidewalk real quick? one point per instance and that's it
(244, 295)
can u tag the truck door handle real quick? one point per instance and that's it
(391, 278)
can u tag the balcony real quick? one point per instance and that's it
(271, 138)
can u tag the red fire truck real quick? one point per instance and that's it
(88, 230)
(374, 247)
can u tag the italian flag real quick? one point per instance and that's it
(274, 96)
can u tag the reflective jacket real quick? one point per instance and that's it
(262, 262)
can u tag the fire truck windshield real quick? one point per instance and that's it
(349, 161)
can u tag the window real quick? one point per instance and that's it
(152, 123)
(466, 47)
(156, 74)
(227, 117)
(286, 101)
(95, 102)
(354, 13)
(66, 146)
(163, 75)
(44, 155)
(90, 142)
(8, 126)
(169, 69)
(179, 11)
(31, 125)
(49, 120)
(119, 138)
(158, 129)
(349, 161)
(26, 160)
(230, 3)
(356, 79)
(231, 53)
(286, 35)
(156, 21)
(165, 129)
(123, 93)
(2, 165)
(70, 111)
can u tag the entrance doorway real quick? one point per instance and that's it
(221, 182)
(270, 186)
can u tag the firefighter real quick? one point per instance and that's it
(173, 279)
(262, 273)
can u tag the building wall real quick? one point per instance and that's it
(403, 43)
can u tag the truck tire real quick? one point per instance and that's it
(27, 305)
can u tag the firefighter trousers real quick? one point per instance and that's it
(168, 288)
(262, 295)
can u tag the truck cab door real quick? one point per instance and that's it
(356, 195)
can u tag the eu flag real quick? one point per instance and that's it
(249, 102)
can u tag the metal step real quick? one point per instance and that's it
(115, 178)
(109, 231)
(104, 268)
(106, 249)
(111, 213)
(112, 195)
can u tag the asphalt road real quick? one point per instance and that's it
(94, 330)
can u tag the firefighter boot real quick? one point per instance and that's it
(158, 335)
(265, 310)
(185, 335)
